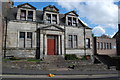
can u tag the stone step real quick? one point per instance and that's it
(54, 58)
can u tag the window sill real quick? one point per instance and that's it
(27, 20)
(72, 26)
(74, 48)
(15, 48)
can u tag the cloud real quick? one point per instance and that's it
(51, 0)
(97, 11)
(98, 31)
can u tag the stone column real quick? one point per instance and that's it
(34, 39)
(77, 21)
(34, 15)
(72, 21)
(62, 40)
(73, 41)
(41, 45)
(51, 17)
(59, 46)
(45, 42)
(57, 18)
(26, 45)
(26, 14)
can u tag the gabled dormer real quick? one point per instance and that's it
(71, 18)
(51, 15)
(26, 12)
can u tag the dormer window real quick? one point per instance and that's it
(51, 14)
(71, 18)
(30, 15)
(26, 12)
(23, 15)
(51, 18)
(26, 15)
(72, 21)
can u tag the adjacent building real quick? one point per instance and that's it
(1, 28)
(4, 7)
(106, 46)
(39, 33)
(117, 36)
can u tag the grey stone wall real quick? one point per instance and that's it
(13, 41)
(13, 32)
(80, 34)
(1, 28)
(0, 38)
(88, 34)
(22, 53)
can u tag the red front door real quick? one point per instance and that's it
(51, 46)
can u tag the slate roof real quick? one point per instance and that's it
(12, 13)
(39, 16)
(115, 35)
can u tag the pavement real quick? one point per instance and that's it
(60, 79)
(63, 76)
(22, 74)
(43, 72)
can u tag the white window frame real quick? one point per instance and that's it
(25, 39)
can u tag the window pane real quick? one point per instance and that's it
(107, 46)
(54, 22)
(48, 20)
(110, 46)
(48, 16)
(22, 40)
(104, 45)
(29, 40)
(87, 43)
(98, 45)
(74, 20)
(23, 15)
(75, 41)
(22, 34)
(74, 24)
(30, 15)
(101, 45)
(70, 21)
(70, 41)
(54, 17)
(29, 35)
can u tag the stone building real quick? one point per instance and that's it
(39, 33)
(106, 46)
(4, 7)
(117, 36)
(0, 28)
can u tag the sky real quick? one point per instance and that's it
(100, 15)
